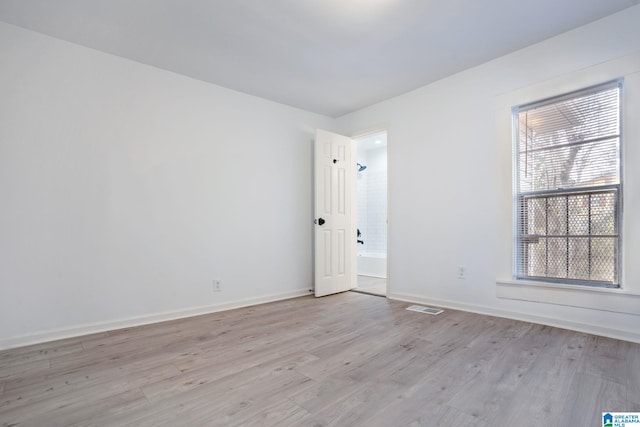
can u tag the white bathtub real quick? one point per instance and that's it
(372, 264)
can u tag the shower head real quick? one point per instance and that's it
(361, 167)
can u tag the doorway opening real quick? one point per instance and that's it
(371, 199)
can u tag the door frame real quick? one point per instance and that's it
(361, 134)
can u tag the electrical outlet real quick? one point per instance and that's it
(462, 272)
(217, 285)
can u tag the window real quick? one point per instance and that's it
(569, 188)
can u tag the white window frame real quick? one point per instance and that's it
(519, 195)
(591, 301)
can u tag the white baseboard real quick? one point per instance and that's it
(626, 335)
(92, 328)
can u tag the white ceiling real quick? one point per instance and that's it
(327, 56)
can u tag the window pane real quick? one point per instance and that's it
(603, 214)
(557, 215)
(579, 258)
(603, 259)
(571, 142)
(537, 216)
(557, 257)
(579, 215)
(569, 236)
(538, 258)
(585, 117)
(585, 165)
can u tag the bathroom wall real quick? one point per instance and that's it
(372, 200)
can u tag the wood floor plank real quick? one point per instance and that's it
(48, 347)
(13, 371)
(356, 408)
(255, 346)
(548, 381)
(42, 353)
(220, 402)
(25, 406)
(612, 360)
(341, 357)
(493, 389)
(226, 376)
(282, 414)
(82, 376)
(348, 359)
(37, 396)
(323, 394)
(426, 414)
(404, 362)
(104, 407)
(589, 396)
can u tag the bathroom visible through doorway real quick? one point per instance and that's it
(371, 201)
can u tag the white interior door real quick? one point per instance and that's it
(335, 213)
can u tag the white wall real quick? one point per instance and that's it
(450, 200)
(125, 190)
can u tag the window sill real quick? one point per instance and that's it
(607, 299)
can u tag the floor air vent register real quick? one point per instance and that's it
(423, 309)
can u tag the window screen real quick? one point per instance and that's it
(568, 187)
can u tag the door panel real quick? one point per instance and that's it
(335, 238)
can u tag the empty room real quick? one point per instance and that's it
(319, 213)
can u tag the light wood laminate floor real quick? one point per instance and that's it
(344, 360)
(372, 285)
